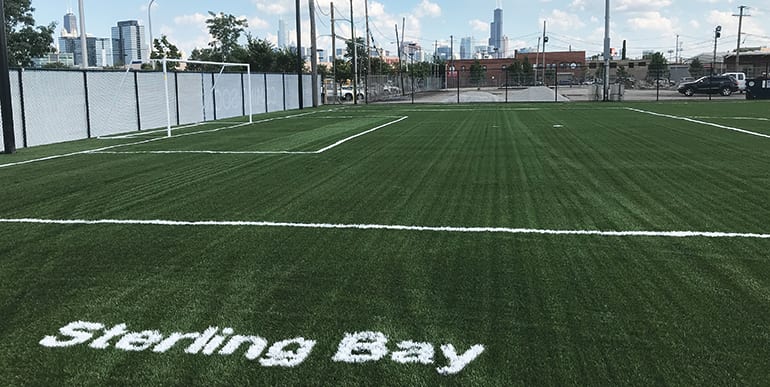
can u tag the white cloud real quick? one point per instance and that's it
(652, 21)
(479, 25)
(564, 21)
(641, 6)
(427, 9)
(194, 19)
(274, 7)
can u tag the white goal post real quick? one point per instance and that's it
(224, 65)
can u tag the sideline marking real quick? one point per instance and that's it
(700, 122)
(446, 229)
(322, 150)
(104, 150)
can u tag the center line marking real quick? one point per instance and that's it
(338, 226)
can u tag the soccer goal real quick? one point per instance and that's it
(241, 93)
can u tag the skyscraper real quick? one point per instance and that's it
(496, 31)
(466, 48)
(129, 43)
(283, 42)
(69, 27)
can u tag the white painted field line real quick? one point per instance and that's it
(146, 132)
(446, 229)
(344, 140)
(105, 150)
(322, 150)
(701, 122)
(733, 118)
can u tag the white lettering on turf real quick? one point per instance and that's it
(279, 355)
(457, 363)
(75, 331)
(357, 347)
(411, 352)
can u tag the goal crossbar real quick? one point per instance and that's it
(223, 64)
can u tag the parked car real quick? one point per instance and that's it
(713, 84)
(741, 78)
(346, 93)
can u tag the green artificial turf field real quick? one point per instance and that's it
(396, 245)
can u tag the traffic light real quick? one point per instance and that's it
(718, 32)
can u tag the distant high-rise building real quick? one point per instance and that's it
(129, 43)
(283, 41)
(99, 50)
(70, 25)
(466, 50)
(496, 31)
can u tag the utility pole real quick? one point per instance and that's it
(368, 52)
(606, 50)
(355, 56)
(6, 106)
(334, 56)
(313, 54)
(537, 58)
(300, 62)
(676, 56)
(740, 26)
(545, 64)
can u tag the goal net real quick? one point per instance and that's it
(196, 97)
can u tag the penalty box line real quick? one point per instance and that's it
(386, 227)
(744, 131)
(319, 151)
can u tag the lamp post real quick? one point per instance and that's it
(459, 73)
(149, 23)
(411, 67)
(505, 70)
(717, 35)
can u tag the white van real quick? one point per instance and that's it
(741, 78)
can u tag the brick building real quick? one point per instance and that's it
(569, 65)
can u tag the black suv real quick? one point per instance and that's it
(714, 84)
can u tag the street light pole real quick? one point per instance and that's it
(505, 70)
(717, 35)
(411, 68)
(83, 38)
(149, 23)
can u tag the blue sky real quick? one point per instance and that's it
(579, 24)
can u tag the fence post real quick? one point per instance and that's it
(267, 106)
(214, 95)
(88, 108)
(23, 108)
(283, 85)
(136, 95)
(176, 95)
(243, 96)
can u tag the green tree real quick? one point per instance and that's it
(286, 60)
(696, 68)
(226, 30)
(55, 65)
(478, 73)
(260, 54)
(527, 70)
(361, 58)
(658, 67)
(25, 41)
(162, 48)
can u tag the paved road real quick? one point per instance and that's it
(545, 94)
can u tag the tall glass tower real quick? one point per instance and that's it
(496, 31)
(70, 25)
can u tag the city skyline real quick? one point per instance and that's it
(572, 24)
